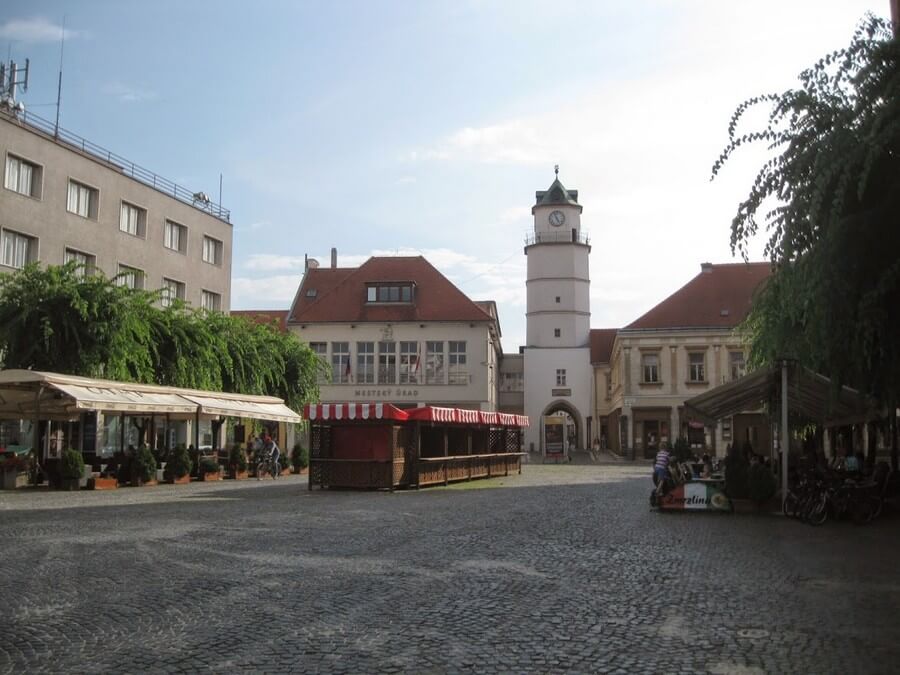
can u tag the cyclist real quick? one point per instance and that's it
(661, 467)
(273, 452)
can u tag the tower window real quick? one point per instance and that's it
(560, 377)
(557, 332)
(557, 299)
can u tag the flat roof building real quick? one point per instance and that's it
(65, 198)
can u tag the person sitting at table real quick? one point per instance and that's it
(707, 466)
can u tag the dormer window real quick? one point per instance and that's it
(390, 292)
(311, 293)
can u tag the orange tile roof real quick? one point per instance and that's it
(602, 340)
(340, 294)
(265, 316)
(718, 297)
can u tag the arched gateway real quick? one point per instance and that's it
(572, 436)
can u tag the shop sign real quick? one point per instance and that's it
(696, 497)
(554, 432)
(561, 392)
(387, 393)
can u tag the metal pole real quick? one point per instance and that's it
(785, 443)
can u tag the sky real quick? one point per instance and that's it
(425, 128)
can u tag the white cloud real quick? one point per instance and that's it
(405, 180)
(34, 30)
(128, 93)
(265, 292)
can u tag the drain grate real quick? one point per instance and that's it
(752, 633)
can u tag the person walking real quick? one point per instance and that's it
(661, 467)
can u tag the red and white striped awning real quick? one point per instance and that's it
(357, 412)
(353, 411)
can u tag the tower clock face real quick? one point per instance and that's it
(557, 218)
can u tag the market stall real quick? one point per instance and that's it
(375, 445)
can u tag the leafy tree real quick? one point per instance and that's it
(829, 199)
(54, 319)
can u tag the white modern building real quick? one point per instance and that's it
(558, 376)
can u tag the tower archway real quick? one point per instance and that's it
(574, 425)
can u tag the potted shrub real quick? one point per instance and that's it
(761, 484)
(736, 475)
(237, 462)
(209, 469)
(143, 467)
(71, 470)
(14, 472)
(299, 458)
(178, 466)
(681, 449)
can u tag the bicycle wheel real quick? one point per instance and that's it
(791, 505)
(818, 511)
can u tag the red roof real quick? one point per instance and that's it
(602, 344)
(265, 316)
(339, 295)
(718, 297)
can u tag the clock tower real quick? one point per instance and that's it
(558, 321)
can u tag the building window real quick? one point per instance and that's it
(387, 362)
(320, 349)
(557, 332)
(697, 364)
(171, 291)
(409, 362)
(560, 377)
(395, 292)
(82, 200)
(176, 237)
(434, 362)
(557, 299)
(85, 262)
(726, 429)
(18, 249)
(365, 362)
(212, 251)
(458, 372)
(133, 219)
(340, 362)
(512, 382)
(650, 368)
(738, 365)
(130, 277)
(22, 177)
(211, 302)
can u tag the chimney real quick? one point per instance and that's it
(333, 258)
(706, 268)
(305, 263)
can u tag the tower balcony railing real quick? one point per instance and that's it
(561, 237)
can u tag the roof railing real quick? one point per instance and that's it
(198, 200)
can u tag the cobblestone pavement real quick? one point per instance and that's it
(561, 569)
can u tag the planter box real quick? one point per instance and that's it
(217, 475)
(10, 480)
(285, 472)
(103, 483)
(184, 480)
(304, 470)
(143, 483)
(69, 484)
(240, 475)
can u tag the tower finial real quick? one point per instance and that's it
(556, 170)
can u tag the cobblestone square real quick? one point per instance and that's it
(561, 569)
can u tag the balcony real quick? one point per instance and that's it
(562, 237)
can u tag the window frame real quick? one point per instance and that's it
(390, 292)
(141, 225)
(321, 377)
(220, 248)
(702, 366)
(457, 370)
(168, 302)
(387, 360)
(561, 377)
(142, 277)
(90, 267)
(408, 362)
(340, 360)
(182, 236)
(435, 370)
(204, 293)
(654, 366)
(93, 211)
(731, 363)
(557, 332)
(37, 177)
(365, 362)
(32, 252)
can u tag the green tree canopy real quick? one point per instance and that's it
(829, 200)
(57, 320)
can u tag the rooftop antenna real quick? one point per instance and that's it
(62, 42)
(556, 170)
(9, 83)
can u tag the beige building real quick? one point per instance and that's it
(396, 330)
(684, 346)
(64, 198)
